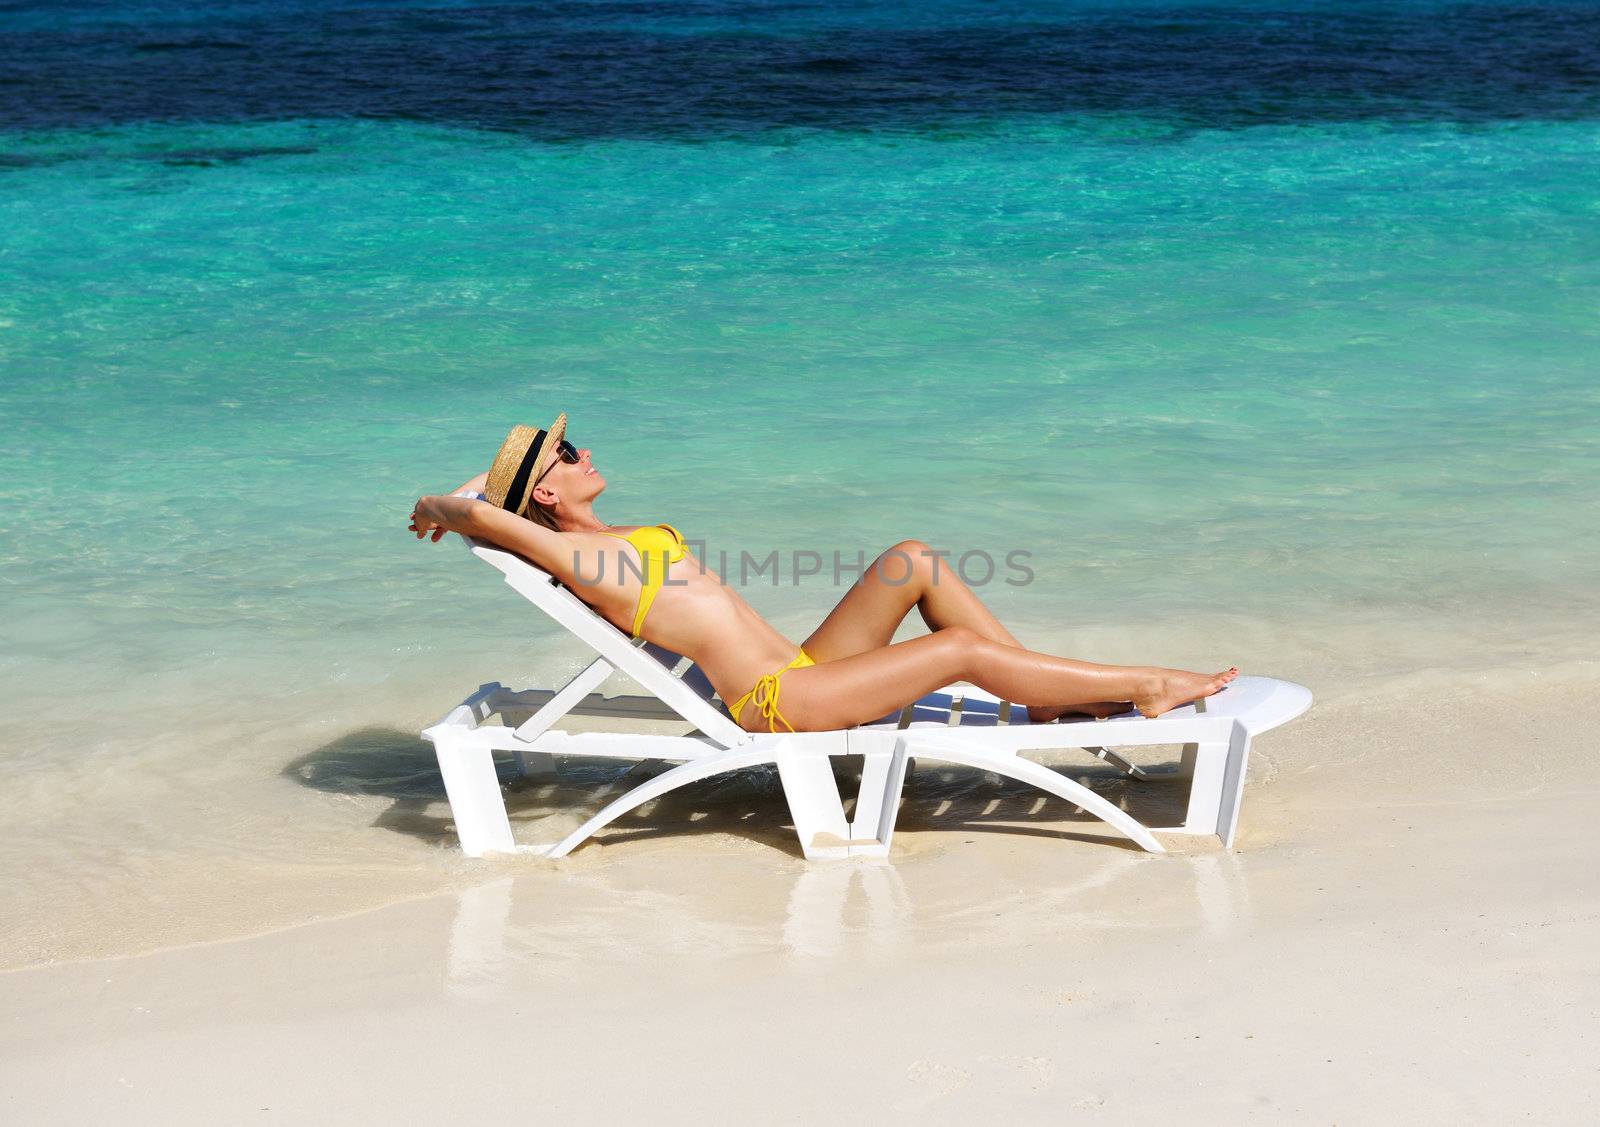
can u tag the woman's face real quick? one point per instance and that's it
(573, 481)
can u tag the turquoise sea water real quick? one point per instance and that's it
(1277, 370)
(1319, 360)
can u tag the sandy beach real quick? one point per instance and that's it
(1406, 935)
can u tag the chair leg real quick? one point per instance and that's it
(692, 771)
(869, 811)
(539, 765)
(1186, 763)
(1121, 762)
(813, 797)
(1027, 771)
(1232, 796)
(883, 773)
(808, 787)
(476, 804)
(1216, 774)
(1206, 768)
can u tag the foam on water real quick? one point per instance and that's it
(1315, 396)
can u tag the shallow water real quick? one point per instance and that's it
(1269, 335)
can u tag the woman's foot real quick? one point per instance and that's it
(1100, 709)
(1169, 688)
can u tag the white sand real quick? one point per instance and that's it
(1407, 934)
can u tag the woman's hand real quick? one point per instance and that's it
(438, 515)
(422, 524)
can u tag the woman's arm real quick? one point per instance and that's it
(483, 521)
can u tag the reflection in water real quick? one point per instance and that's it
(1220, 890)
(838, 909)
(816, 923)
(475, 961)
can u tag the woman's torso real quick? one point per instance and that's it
(693, 612)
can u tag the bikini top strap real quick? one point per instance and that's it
(629, 536)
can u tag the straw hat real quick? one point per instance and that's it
(524, 455)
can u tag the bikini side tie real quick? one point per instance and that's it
(766, 698)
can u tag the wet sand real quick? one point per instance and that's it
(1406, 934)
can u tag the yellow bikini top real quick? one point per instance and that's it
(661, 541)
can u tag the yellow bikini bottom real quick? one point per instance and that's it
(765, 692)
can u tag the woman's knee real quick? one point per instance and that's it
(907, 562)
(962, 647)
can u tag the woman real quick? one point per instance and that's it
(539, 503)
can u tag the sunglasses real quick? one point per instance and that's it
(567, 453)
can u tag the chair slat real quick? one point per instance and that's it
(932, 709)
(669, 660)
(696, 679)
(979, 713)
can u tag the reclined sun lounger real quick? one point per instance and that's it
(960, 724)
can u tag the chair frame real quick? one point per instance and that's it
(960, 724)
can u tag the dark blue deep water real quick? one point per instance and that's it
(719, 68)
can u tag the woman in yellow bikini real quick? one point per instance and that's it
(538, 501)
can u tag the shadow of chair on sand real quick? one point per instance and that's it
(398, 766)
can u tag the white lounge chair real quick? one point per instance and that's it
(960, 724)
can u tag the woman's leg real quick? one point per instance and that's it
(910, 575)
(864, 686)
(905, 576)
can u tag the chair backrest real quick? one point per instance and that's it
(687, 692)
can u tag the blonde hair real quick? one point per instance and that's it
(538, 514)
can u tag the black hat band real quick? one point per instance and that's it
(519, 483)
